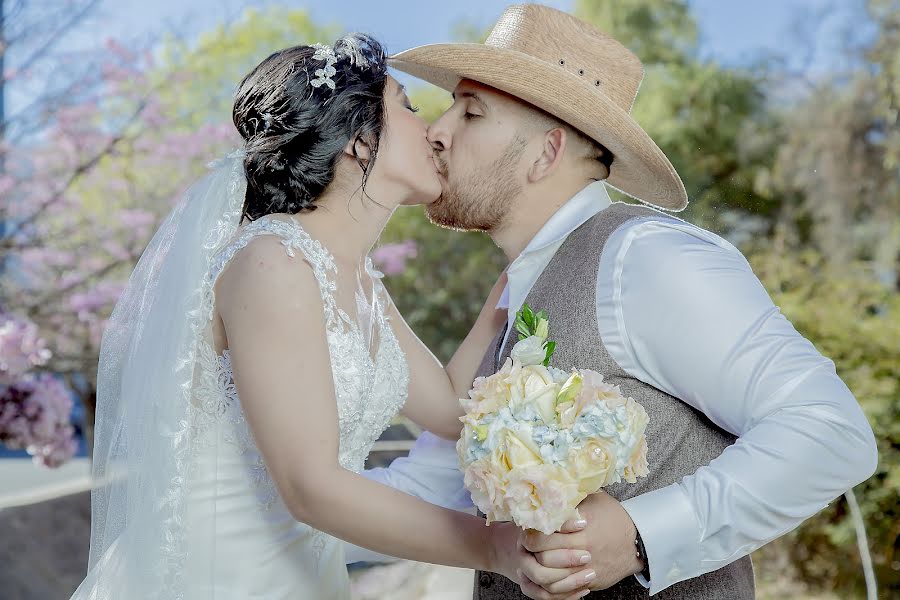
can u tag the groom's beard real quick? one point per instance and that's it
(481, 200)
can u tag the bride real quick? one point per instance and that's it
(255, 357)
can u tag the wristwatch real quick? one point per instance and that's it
(641, 554)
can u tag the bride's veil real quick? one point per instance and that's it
(144, 433)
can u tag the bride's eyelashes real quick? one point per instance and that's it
(411, 108)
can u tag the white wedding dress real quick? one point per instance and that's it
(232, 537)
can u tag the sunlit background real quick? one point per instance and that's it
(780, 115)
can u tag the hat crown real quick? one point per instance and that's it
(573, 46)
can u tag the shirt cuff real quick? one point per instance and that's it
(671, 535)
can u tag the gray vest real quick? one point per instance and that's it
(680, 439)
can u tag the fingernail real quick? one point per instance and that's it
(584, 593)
(585, 559)
(590, 577)
(580, 524)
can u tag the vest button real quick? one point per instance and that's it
(485, 580)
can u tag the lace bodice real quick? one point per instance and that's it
(370, 387)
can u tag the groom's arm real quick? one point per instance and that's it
(680, 309)
(430, 472)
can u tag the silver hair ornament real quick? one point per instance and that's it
(347, 48)
(325, 74)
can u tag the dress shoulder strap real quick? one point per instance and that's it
(294, 238)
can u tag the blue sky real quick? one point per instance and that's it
(732, 32)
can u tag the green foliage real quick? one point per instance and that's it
(855, 320)
(658, 32)
(885, 56)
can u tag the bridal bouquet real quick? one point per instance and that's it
(538, 440)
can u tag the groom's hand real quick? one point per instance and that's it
(608, 536)
(567, 581)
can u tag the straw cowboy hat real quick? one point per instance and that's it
(567, 68)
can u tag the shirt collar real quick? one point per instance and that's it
(570, 216)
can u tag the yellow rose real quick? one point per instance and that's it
(593, 465)
(567, 412)
(521, 451)
(499, 460)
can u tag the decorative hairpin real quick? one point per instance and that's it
(325, 74)
(348, 48)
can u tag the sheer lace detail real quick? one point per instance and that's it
(370, 388)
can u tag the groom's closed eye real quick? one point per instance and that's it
(475, 105)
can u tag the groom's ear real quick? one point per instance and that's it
(553, 146)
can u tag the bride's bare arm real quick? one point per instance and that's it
(434, 391)
(272, 311)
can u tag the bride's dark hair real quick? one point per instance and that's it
(295, 132)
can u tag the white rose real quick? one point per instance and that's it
(529, 351)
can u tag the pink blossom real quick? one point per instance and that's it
(153, 115)
(542, 497)
(134, 219)
(35, 415)
(103, 294)
(21, 348)
(391, 258)
(7, 183)
(116, 250)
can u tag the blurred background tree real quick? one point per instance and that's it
(801, 172)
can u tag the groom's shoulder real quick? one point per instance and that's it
(624, 223)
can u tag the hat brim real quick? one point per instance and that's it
(640, 169)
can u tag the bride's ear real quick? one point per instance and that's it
(357, 148)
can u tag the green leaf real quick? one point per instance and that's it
(528, 316)
(523, 330)
(551, 347)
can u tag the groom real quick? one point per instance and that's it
(751, 431)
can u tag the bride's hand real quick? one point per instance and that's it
(510, 559)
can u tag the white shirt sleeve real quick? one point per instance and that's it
(680, 308)
(430, 472)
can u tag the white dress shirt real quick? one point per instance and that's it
(679, 308)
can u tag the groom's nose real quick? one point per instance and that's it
(438, 135)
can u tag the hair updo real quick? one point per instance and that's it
(296, 126)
